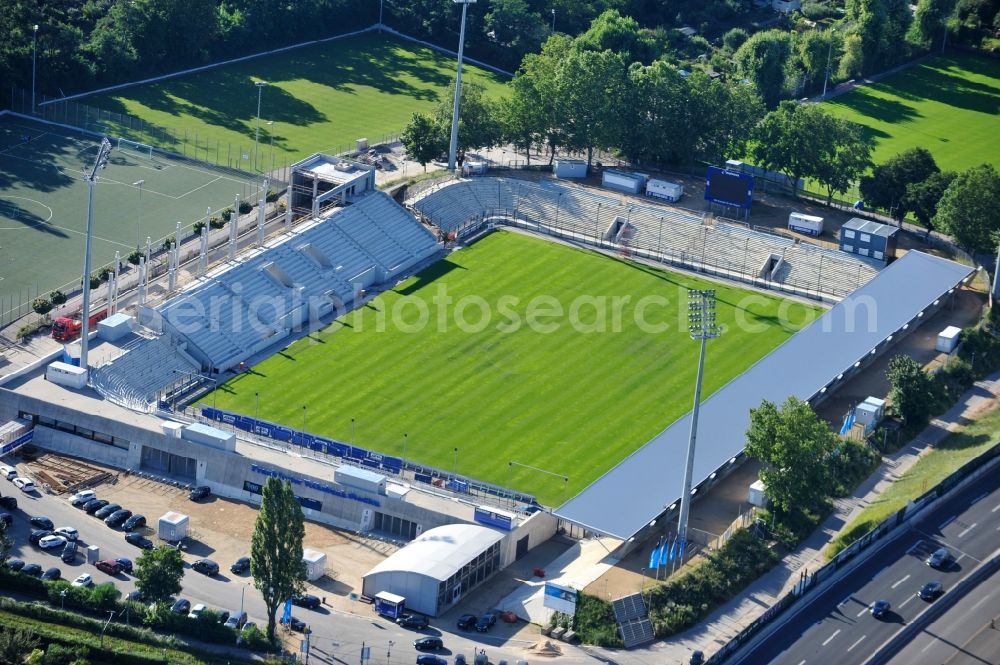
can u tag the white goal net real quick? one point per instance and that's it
(136, 147)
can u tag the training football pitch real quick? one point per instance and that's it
(43, 205)
(560, 392)
(948, 104)
(319, 98)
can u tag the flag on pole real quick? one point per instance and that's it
(673, 550)
(680, 553)
(286, 616)
(664, 551)
(654, 557)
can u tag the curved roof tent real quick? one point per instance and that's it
(440, 552)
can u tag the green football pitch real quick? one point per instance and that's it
(559, 393)
(948, 104)
(319, 98)
(43, 205)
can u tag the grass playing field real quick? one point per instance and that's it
(320, 98)
(43, 205)
(949, 105)
(573, 401)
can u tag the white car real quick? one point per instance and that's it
(83, 580)
(196, 611)
(8, 472)
(50, 542)
(25, 484)
(84, 496)
(67, 532)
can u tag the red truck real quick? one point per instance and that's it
(67, 328)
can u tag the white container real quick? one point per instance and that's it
(662, 189)
(757, 496)
(67, 375)
(623, 181)
(808, 224)
(172, 429)
(209, 436)
(947, 339)
(173, 526)
(114, 327)
(474, 168)
(315, 562)
(362, 479)
(570, 168)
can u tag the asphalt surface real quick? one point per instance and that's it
(967, 634)
(337, 637)
(836, 626)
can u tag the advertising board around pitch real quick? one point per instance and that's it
(560, 598)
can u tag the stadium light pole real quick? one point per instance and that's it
(553, 19)
(453, 146)
(826, 77)
(103, 152)
(138, 233)
(703, 327)
(34, 60)
(256, 139)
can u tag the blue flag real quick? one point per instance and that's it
(286, 615)
(664, 552)
(680, 554)
(654, 557)
(673, 550)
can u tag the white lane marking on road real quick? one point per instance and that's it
(980, 601)
(968, 529)
(929, 645)
(995, 508)
(903, 604)
(835, 633)
(900, 581)
(857, 643)
(947, 522)
(979, 498)
(802, 662)
(844, 601)
(861, 612)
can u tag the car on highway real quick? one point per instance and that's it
(430, 659)
(51, 542)
(32, 569)
(126, 564)
(69, 552)
(134, 522)
(940, 559)
(108, 567)
(37, 535)
(139, 541)
(117, 518)
(241, 565)
(40, 522)
(930, 591)
(196, 611)
(83, 580)
(306, 600)
(200, 492)
(52, 574)
(181, 606)
(80, 498)
(429, 643)
(67, 532)
(94, 505)
(15, 564)
(206, 567)
(418, 621)
(8, 503)
(466, 622)
(486, 622)
(26, 485)
(107, 510)
(296, 624)
(880, 609)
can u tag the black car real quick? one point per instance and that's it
(940, 559)
(15, 564)
(94, 505)
(697, 658)
(199, 493)
(222, 616)
(139, 541)
(117, 518)
(69, 552)
(7, 519)
(126, 564)
(181, 606)
(881, 608)
(930, 591)
(206, 567)
(241, 565)
(107, 510)
(52, 574)
(134, 522)
(42, 523)
(429, 643)
(466, 622)
(8, 503)
(32, 569)
(296, 624)
(306, 600)
(430, 659)
(37, 535)
(135, 596)
(418, 621)
(486, 622)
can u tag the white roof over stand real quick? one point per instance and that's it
(441, 552)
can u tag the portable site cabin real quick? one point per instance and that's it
(807, 224)
(868, 238)
(623, 181)
(315, 562)
(947, 339)
(474, 168)
(662, 189)
(173, 526)
(570, 168)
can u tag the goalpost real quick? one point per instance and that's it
(136, 147)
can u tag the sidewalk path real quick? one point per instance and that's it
(729, 619)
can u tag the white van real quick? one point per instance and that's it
(8, 472)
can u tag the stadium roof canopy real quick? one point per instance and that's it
(640, 488)
(440, 552)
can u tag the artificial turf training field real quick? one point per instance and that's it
(320, 98)
(948, 104)
(43, 205)
(568, 401)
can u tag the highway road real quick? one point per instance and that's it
(337, 637)
(967, 634)
(836, 626)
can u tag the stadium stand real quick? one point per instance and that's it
(239, 310)
(724, 249)
(136, 378)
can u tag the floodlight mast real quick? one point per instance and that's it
(703, 327)
(453, 146)
(103, 153)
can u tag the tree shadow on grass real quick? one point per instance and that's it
(14, 211)
(939, 82)
(867, 104)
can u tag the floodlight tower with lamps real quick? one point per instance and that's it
(34, 59)
(702, 326)
(453, 146)
(103, 153)
(260, 88)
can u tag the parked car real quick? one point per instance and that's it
(67, 532)
(236, 620)
(466, 622)
(8, 472)
(306, 600)
(430, 659)
(126, 564)
(107, 510)
(296, 624)
(83, 580)
(134, 522)
(241, 565)
(930, 591)
(26, 485)
(7, 519)
(8, 503)
(880, 608)
(697, 658)
(94, 505)
(15, 564)
(42, 523)
(135, 596)
(941, 558)
(52, 574)
(200, 492)
(196, 611)
(69, 552)
(117, 518)
(37, 535)
(32, 569)
(418, 621)
(80, 498)
(181, 606)
(429, 643)
(51, 542)
(139, 541)
(486, 622)
(222, 616)
(206, 567)
(109, 566)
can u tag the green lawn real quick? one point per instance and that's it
(949, 105)
(569, 401)
(320, 98)
(935, 465)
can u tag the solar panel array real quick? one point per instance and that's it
(629, 607)
(633, 622)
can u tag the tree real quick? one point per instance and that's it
(846, 154)
(794, 445)
(882, 27)
(477, 119)
(513, 25)
(423, 139)
(276, 548)
(734, 38)
(5, 543)
(912, 391)
(885, 188)
(15, 644)
(788, 140)
(967, 210)
(589, 87)
(922, 198)
(622, 34)
(762, 60)
(929, 21)
(158, 573)
(814, 51)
